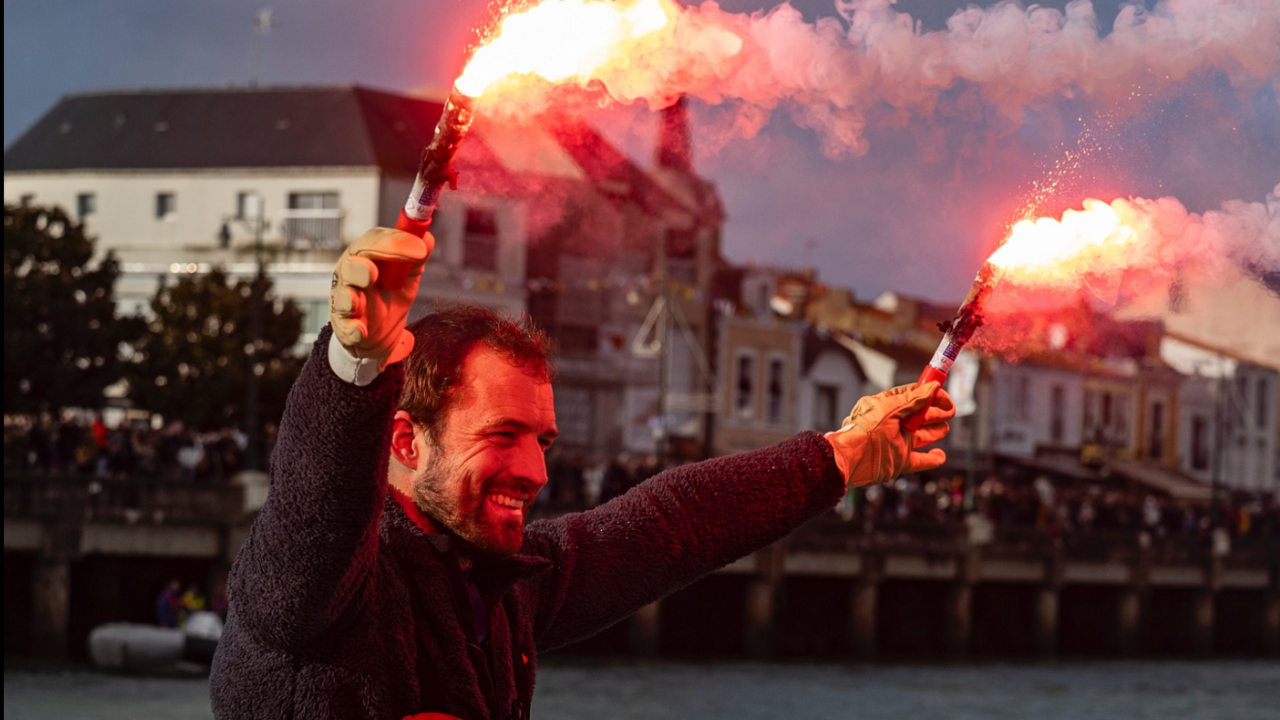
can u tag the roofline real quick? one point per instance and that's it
(230, 88)
(1198, 343)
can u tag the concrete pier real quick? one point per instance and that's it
(644, 631)
(81, 553)
(1202, 622)
(762, 600)
(1046, 620)
(1129, 621)
(1271, 622)
(959, 619)
(51, 605)
(864, 596)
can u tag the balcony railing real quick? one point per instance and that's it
(319, 229)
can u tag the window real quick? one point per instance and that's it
(1264, 400)
(1155, 440)
(315, 315)
(480, 240)
(166, 206)
(248, 205)
(313, 220)
(776, 387)
(744, 390)
(573, 414)
(826, 403)
(86, 205)
(1199, 443)
(1122, 419)
(312, 200)
(1021, 398)
(1058, 414)
(1091, 430)
(571, 339)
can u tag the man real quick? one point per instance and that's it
(390, 573)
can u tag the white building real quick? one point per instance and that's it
(1227, 422)
(176, 181)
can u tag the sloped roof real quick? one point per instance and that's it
(225, 128)
(1163, 480)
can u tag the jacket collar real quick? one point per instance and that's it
(407, 529)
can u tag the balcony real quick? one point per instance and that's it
(313, 229)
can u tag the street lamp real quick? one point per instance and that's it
(252, 213)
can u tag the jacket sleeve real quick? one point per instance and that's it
(672, 529)
(311, 553)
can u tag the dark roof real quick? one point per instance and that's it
(226, 128)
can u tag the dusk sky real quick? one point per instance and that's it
(911, 201)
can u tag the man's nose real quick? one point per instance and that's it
(531, 463)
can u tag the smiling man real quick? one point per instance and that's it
(391, 574)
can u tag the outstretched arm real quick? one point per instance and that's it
(689, 521)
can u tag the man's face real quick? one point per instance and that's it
(480, 479)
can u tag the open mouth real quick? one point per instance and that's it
(508, 502)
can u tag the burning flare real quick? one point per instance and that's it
(1050, 250)
(561, 40)
(1148, 243)
(1156, 239)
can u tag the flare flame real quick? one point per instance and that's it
(562, 39)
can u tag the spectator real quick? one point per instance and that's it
(190, 454)
(169, 605)
(192, 601)
(67, 443)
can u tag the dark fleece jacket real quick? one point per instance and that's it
(342, 607)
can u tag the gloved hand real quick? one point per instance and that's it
(374, 284)
(873, 447)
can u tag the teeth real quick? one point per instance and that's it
(508, 501)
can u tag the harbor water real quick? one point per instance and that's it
(623, 690)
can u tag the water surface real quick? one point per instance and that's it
(580, 690)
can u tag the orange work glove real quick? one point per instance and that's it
(872, 446)
(374, 284)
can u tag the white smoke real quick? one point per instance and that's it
(885, 69)
(1247, 233)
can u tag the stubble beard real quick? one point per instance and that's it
(466, 525)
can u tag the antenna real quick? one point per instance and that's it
(262, 25)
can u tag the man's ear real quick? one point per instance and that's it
(405, 447)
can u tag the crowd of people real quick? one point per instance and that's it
(84, 444)
(1059, 510)
(1067, 510)
(80, 444)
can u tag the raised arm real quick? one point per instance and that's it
(311, 552)
(686, 522)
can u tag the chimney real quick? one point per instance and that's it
(674, 149)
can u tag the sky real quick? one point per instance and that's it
(889, 193)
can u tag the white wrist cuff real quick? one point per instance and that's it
(357, 371)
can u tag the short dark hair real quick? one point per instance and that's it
(442, 341)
